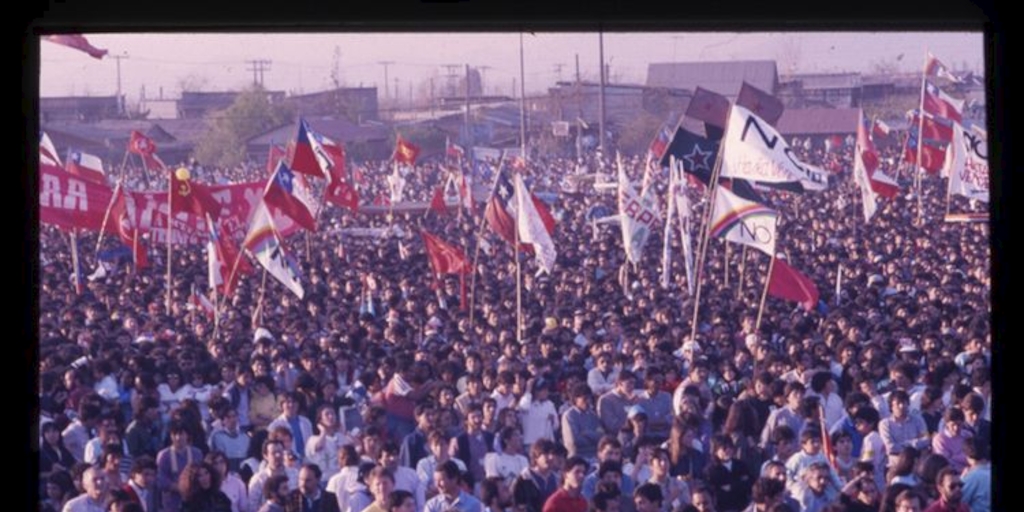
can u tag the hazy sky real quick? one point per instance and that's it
(304, 62)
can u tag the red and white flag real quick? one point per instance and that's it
(937, 102)
(872, 181)
(289, 192)
(880, 129)
(200, 302)
(47, 151)
(86, 166)
(532, 228)
(78, 42)
(933, 67)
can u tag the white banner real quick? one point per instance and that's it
(744, 222)
(967, 164)
(755, 151)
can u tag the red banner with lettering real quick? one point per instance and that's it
(68, 201)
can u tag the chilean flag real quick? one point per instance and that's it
(289, 192)
(315, 154)
(86, 166)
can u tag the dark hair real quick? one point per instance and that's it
(574, 461)
(272, 484)
(317, 472)
(976, 449)
(397, 498)
(188, 482)
(765, 489)
(609, 466)
(490, 488)
(650, 491)
(449, 469)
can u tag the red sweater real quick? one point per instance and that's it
(562, 501)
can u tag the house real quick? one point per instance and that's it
(819, 124)
(725, 78)
(78, 108)
(359, 104)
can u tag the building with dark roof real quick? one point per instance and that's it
(836, 90)
(359, 104)
(78, 108)
(196, 105)
(725, 78)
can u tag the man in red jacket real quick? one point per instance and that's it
(569, 498)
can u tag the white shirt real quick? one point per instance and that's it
(506, 466)
(83, 503)
(342, 483)
(539, 419)
(406, 479)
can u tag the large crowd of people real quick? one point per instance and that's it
(381, 390)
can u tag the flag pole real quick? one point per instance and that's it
(743, 271)
(920, 144)
(705, 229)
(727, 254)
(479, 238)
(764, 293)
(666, 248)
(839, 283)
(75, 262)
(259, 301)
(106, 216)
(519, 276)
(169, 231)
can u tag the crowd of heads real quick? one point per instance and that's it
(905, 333)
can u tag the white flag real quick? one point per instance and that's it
(531, 227)
(967, 164)
(666, 248)
(742, 221)
(754, 150)
(637, 215)
(263, 243)
(47, 151)
(683, 210)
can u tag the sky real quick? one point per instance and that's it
(304, 63)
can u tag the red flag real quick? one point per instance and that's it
(146, 148)
(933, 67)
(453, 150)
(933, 155)
(275, 156)
(344, 195)
(382, 199)
(78, 42)
(405, 151)
(789, 284)
(761, 103)
(437, 203)
(710, 107)
(187, 195)
(935, 128)
(445, 258)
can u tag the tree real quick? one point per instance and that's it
(636, 134)
(228, 130)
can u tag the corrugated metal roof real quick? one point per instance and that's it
(818, 121)
(725, 78)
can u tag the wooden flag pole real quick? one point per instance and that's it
(743, 271)
(920, 147)
(519, 275)
(727, 251)
(169, 231)
(706, 231)
(764, 293)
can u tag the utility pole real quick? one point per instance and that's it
(451, 73)
(468, 140)
(483, 79)
(600, 103)
(120, 101)
(431, 97)
(396, 91)
(385, 63)
(258, 66)
(558, 70)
